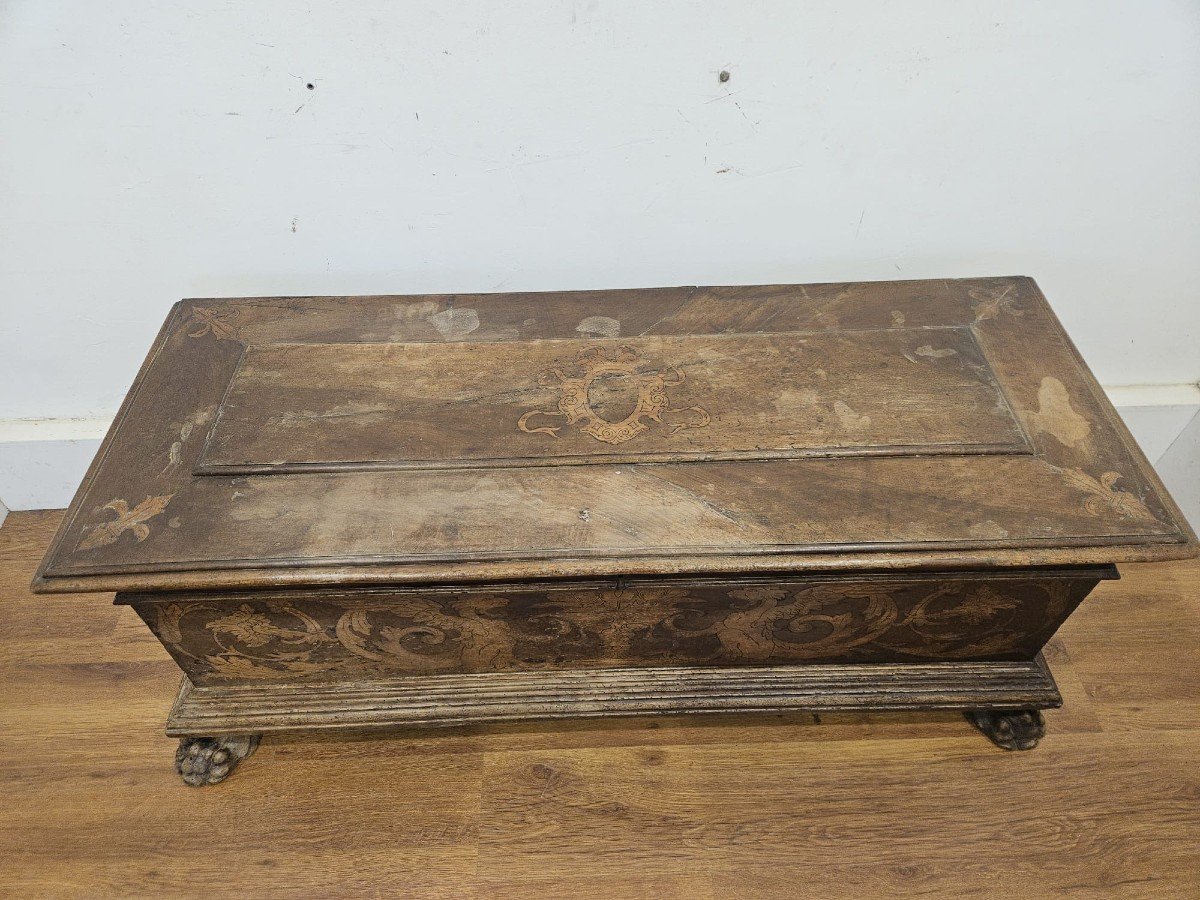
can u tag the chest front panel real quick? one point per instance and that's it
(331, 636)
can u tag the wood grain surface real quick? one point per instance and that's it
(445, 701)
(346, 635)
(733, 806)
(695, 430)
(346, 407)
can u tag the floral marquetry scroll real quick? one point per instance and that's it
(380, 633)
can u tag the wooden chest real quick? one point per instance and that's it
(366, 512)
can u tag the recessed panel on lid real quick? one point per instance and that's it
(331, 406)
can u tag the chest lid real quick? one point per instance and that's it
(446, 438)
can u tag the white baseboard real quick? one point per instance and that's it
(1153, 394)
(43, 473)
(1179, 468)
(1156, 414)
(19, 431)
(43, 460)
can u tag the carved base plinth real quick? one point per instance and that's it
(1010, 729)
(451, 700)
(1004, 698)
(207, 760)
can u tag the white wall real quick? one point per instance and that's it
(150, 151)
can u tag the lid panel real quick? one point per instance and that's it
(345, 440)
(348, 406)
(754, 506)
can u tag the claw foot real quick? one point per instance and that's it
(207, 760)
(1010, 729)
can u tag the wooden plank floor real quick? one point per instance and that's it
(853, 806)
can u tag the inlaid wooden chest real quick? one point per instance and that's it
(360, 512)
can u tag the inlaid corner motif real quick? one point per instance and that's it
(1102, 495)
(220, 323)
(132, 520)
(576, 407)
(429, 634)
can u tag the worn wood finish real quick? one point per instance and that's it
(448, 700)
(340, 636)
(867, 376)
(718, 806)
(489, 461)
(638, 399)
